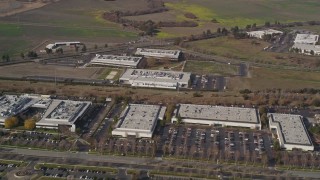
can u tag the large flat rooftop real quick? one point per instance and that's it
(139, 117)
(218, 113)
(155, 75)
(291, 128)
(113, 60)
(64, 112)
(158, 52)
(306, 39)
(11, 105)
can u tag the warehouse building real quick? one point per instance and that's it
(12, 105)
(57, 45)
(118, 61)
(217, 115)
(62, 112)
(155, 78)
(310, 39)
(159, 53)
(261, 33)
(307, 44)
(139, 120)
(291, 131)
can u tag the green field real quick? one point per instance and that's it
(203, 67)
(243, 12)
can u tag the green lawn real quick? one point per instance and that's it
(202, 67)
(243, 12)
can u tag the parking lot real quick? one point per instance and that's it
(215, 143)
(207, 82)
(76, 172)
(36, 140)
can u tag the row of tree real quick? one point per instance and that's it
(12, 122)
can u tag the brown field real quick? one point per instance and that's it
(35, 69)
(11, 7)
(146, 95)
(264, 78)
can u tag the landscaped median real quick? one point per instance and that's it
(18, 163)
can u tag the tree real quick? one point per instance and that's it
(95, 46)
(84, 48)
(276, 145)
(219, 30)
(29, 124)
(48, 51)
(312, 52)
(32, 54)
(179, 119)
(11, 122)
(106, 45)
(267, 24)
(22, 55)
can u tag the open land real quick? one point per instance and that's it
(251, 50)
(207, 67)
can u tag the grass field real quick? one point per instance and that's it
(202, 67)
(263, 78)
(243, 12)
(245, 50)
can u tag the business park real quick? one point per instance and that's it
(139, 120)
(291, 131)
(55, 112)
(217, 115)
(155, 78)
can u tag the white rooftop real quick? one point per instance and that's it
(260, 33)
(158, 53)
(220, 113)
(63, 112)
(11, 105)
(306, 39)
(292, 128)
(130, 61)
(155, 75)
(139, 117)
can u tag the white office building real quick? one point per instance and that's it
(307, 44)
(261, 33)
(155, 78)
(159, 53)
(310, 39)
(62, 112)
(217, 115)
(12, 105)
(291, 131)
(116, 61)
(139, 120)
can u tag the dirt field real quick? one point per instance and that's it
(35, 69)
(202, 67)
(11, 7)
(264, 78)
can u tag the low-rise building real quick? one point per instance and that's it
(291, 131)
(217, 115)
(62, 112)
(307, 49)
(155, 78)
(12, 105)
(117, 61)
(310, 39)
(159, 53)
(259, 34)
(139, 120)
